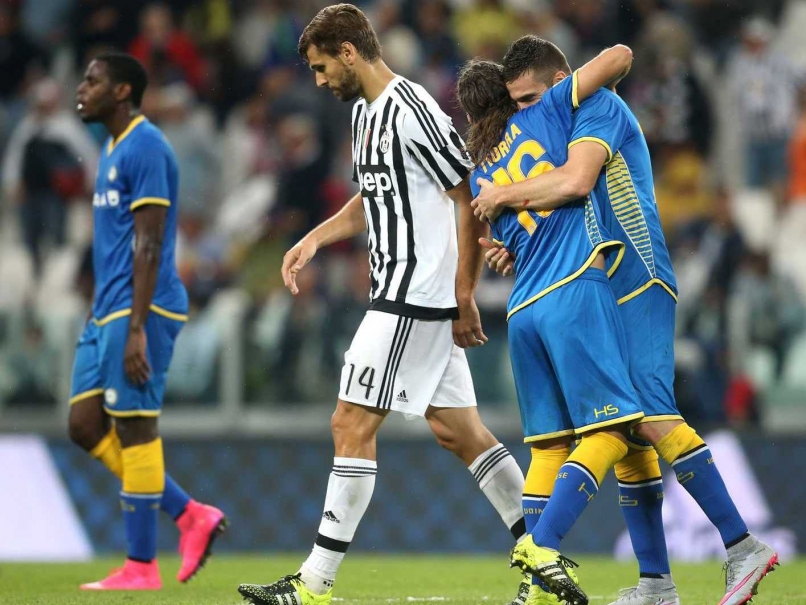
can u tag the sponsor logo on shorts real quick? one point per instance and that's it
(608, 410)
(329, 516)
(110, 396)
(401, 397)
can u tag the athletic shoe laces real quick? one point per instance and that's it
(284, 585)
(729, 572)
(628, 592)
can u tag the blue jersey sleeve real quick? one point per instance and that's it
(474, 189)
(476, 174)
(601, 119)
(148, 176)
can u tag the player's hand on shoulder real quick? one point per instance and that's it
(485, 205)
(294, 260)
(467, 330)
(498, 258)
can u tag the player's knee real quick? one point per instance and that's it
(655, 431)
(83, 434)
(137, 430)
(466, 446)
(462, 433)
(339, 427)
(349, 428)
(446, 438)
(449, 437)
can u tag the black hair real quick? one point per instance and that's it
(540, 56)
(125, 69)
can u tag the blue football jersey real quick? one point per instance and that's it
(551, 248)
(137, 169)
(624, 191)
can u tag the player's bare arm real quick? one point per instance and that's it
(345, 224)
(607, 69)
(556, 188)
(467, 331)
(573, 180)
(149, 226)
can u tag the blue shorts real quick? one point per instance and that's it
(568, 353)
(649, 326)
(98, 366)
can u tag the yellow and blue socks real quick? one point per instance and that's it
(501, 480)
(694, 467)
(143, 484)
(577, 483)
(174, 498)
(539, 486)
(641, 502)
(539, 483)
(108, 452)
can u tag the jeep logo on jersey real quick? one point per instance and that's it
(376, 181)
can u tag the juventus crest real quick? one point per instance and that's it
(386, 138)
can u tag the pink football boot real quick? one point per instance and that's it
(199, 526)
(132, 576)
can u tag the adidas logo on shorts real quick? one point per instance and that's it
(329, 516)
(401, 397)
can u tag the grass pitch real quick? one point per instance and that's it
(373, 580)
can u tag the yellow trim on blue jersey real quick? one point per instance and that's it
(168, 314)
(575, 90)
(156, 201)
(126, 312)
(598, 425)
(85, 395)
(574, 275)
(594, 140)
(660, 418)
(646, 287)
(553, 435)
(132, 125)
(132, 413)
(111, 317)
(617, 262)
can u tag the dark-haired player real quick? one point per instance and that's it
(139, 308)
(407, 356)
(566, 339)
(608, 159)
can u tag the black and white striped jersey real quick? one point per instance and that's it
(406, 155)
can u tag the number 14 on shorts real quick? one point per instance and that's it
(366, 380)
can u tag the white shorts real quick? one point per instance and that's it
(403, 364)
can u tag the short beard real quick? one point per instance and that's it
(350, 87)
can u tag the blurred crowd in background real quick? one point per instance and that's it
(717, 87)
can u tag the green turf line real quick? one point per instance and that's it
(373, 580)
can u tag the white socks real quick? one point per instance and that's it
(501, 480)
(349, 490)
